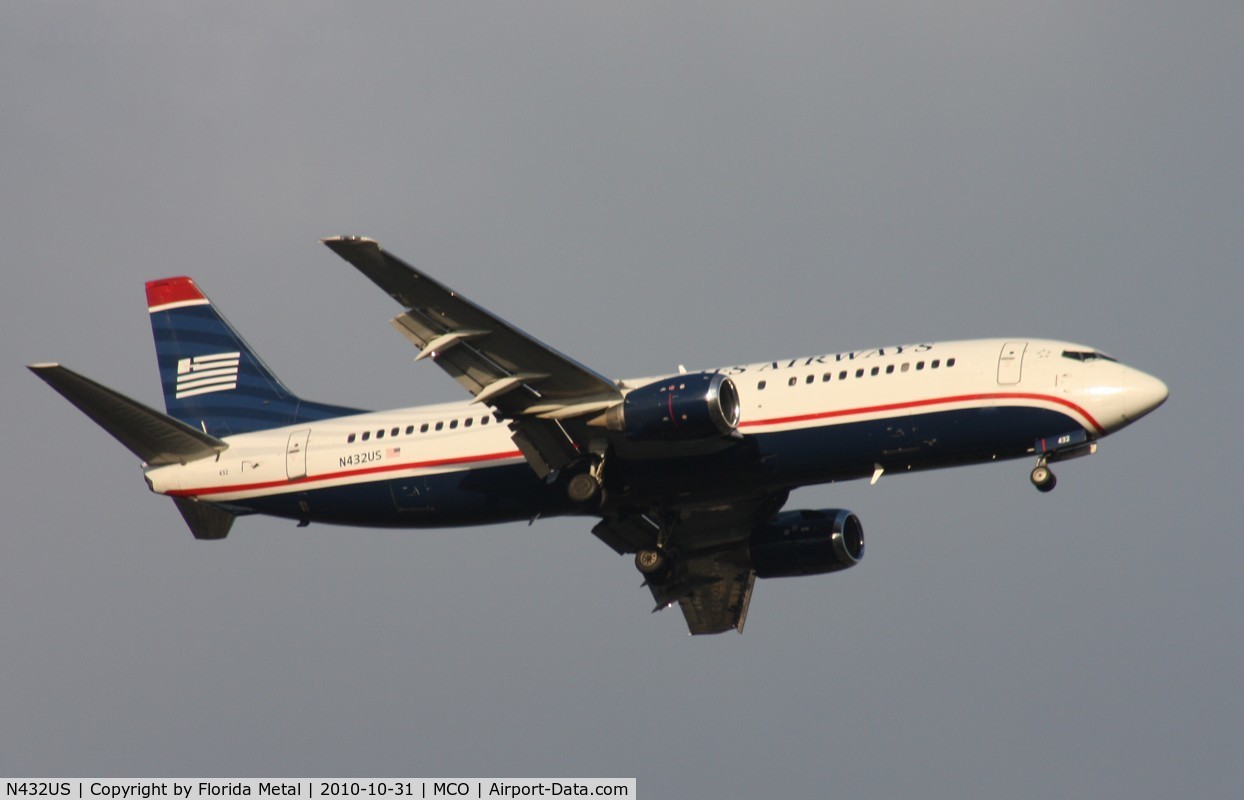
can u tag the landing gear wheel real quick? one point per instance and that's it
(583, 488)
(1043, 478)
(650, 562)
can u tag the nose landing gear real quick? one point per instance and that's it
(1073, 444)
(1042, 477)
(1060, 448)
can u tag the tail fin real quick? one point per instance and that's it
(212, 379)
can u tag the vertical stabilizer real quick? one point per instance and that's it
(211, 377)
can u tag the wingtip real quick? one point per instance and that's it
(336, 242)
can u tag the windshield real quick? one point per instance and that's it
(1087, 355)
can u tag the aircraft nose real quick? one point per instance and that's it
(1142, 393)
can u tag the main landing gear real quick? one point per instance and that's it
(586, 486)
(653, 560)
(652, 564)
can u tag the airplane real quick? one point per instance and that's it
(688, 472)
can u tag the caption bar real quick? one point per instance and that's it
(194, 789)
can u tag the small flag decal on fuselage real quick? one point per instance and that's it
(203, 374)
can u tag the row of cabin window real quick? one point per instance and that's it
(410, 429)
(859, 373)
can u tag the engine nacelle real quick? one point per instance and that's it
(807, 543)
(683, 407)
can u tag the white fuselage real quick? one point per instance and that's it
(887, 388)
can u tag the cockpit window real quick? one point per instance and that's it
(1087, 355)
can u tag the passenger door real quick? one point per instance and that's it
(296, 454)
(1011, 363)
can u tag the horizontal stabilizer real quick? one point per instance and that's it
(154, 437)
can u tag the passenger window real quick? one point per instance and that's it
(874, 370)
(440, 425)
(453, 424)
(906, 366)
(380, 434)
(950, 362)
(889, 370)
(859, 373)
(825, 378)
(423, 428)
(760, 386)
(366, 435)
(350, 439)
(842, 376)
(791, 382)
(919, 365)
(410, 429)
(937, 362)
(483, 420)
(469, 421)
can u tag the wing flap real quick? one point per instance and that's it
(544, 443)
(710, 574)
(714, 592)
(721, 606)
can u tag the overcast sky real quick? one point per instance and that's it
(640, 185)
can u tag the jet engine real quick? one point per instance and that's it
(807, 542)
(683, 407)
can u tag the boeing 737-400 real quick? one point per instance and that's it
(688, 472)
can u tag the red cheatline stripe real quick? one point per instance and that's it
(933, 401)
(168, 291)
(964, 398)
(251, 487)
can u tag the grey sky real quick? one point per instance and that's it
(640, 185)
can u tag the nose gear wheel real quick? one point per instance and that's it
(1042, 477)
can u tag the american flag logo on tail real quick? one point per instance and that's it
(211, 373)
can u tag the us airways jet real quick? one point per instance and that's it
(687, 472)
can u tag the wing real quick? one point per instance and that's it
(715, 593)
(547, 398)
(708, 570)
(543, 393)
